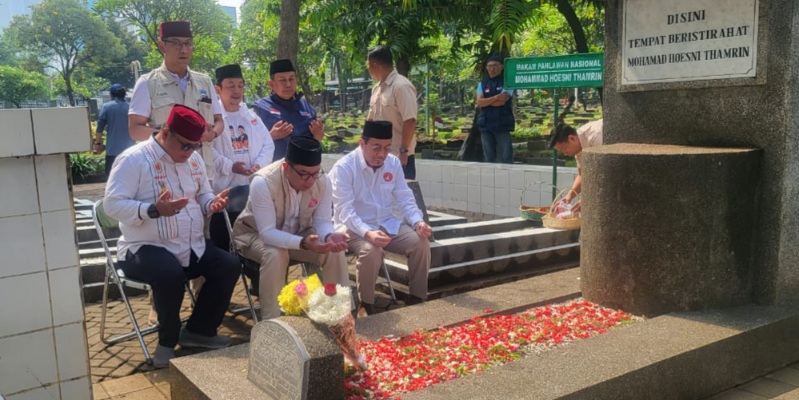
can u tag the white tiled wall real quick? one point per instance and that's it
(43, 351)
(480, 187)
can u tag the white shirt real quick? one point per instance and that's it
(140, 101)
(244, 139)
(363, 197)
(263, 210)
(134, 185)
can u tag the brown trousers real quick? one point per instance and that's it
(370, 258)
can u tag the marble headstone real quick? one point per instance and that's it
(293, 358)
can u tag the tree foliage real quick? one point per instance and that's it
(117, 69)
(18, 85)
(67, 33)
(210, 26)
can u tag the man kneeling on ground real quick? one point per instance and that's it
(289, 217)
(158, 190)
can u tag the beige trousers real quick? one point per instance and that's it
(370, 258)
(274, 267)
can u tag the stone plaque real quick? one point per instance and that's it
(688, 40)
(279, 361)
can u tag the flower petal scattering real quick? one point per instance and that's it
(424, 358)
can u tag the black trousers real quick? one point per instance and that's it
(161, 270)
(410, 168)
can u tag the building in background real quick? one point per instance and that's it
(231, 11)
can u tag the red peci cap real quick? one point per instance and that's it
(186, 122)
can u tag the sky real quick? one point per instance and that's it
(9, 8)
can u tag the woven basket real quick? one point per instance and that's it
(550, 221)
(529, 212)
(532, 213)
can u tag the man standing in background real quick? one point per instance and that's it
(113, 116)
(286, 112)
(394, 100)
(496, 120)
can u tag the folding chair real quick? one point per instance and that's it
(105, 224)
(386, 276)
(236, 201)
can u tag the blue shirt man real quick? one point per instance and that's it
(285, 112)
(496, 114)
(114, 116)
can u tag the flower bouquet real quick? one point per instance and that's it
(327, 304)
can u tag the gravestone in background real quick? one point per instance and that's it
(286, 367)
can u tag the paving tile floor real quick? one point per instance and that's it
(119, 371)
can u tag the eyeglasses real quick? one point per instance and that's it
(188, 45)
(378, 148)
(187, 146)
(305, 175)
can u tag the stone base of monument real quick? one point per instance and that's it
(677, 234)
(679, 355)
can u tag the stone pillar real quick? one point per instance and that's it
(661, 92)
(43, 350)
(668, 228)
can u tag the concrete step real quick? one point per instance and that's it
(441, 219)
(481, 272)
(469, 248)
(458, 230)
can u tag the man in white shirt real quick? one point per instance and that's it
(289, 216)
(236, 155)
(158, 190)
(367, 183)
(570, 142)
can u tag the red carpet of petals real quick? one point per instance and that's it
(398, 365)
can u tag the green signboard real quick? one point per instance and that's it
(572, 70)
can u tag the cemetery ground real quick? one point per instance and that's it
(119, 372)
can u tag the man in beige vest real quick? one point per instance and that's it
(173, 83)
(289, 216)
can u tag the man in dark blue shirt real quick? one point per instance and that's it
(496, 114)
(285, 112)
(114, 116)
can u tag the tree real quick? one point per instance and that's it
(69, 34)
(117, 70)
(289, 37)
(209, 24)
(18, 85)
(254, 43)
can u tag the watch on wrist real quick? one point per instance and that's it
(152, 211)
(302, 244)
(403, 150)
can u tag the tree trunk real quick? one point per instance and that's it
(70, 91)
(342, 85)
(288, 37)
(574, 23)
(403, 66)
